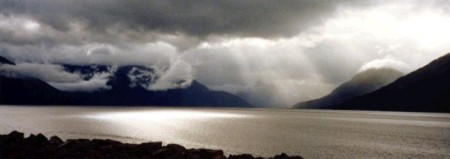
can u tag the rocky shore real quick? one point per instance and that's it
(16, 146)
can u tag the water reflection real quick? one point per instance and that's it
(178, 126)
(163, 115)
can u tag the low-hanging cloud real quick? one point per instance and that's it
(180, 75)
(56, 76)
(97, 83)
(100, 50)
(45, 72)
(386, 63)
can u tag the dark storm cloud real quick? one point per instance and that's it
(260, 18)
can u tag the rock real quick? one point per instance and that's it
(176, 147)
(105, 142)
(55, 140)
(214, 154)
(126, 147)
(95, 154)
(163, 152)
(14, 145)
(242, 156)
(41, 138)
(170, 151)
(147, 148)
(13, 138)
(36, 140)
(176, 155)
(67, 144)
(194, 156)
(3, 137)
(284, 156)
(16, 134)
(50, 151)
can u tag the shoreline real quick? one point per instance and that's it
(16, 145)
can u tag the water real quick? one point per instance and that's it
(264, 132)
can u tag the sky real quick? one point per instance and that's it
(271, 53)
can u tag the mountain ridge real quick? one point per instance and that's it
(4, 60)
(30, 91)
(362, 83)
(424, 90)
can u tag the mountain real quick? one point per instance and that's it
(27, 91)
(125, 91)
(424, 90)
(362, 83)
(128, 88)
(5, 61)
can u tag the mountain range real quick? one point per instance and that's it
(123, 90)
(424, 90)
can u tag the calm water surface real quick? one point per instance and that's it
(265, 132)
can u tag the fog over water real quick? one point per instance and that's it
(309, 133)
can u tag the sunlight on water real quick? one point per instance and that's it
(163, 115)
(166, 125)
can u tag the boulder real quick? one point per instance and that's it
(284, 156)
(55, 140)
(14, 137)
(14, 145)
(214, 154)
(242, 156)
(147, 148)
(36, 140)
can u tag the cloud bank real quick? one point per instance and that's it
(56, 76)
(45, 72)
(96, 83)
(386, 63)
